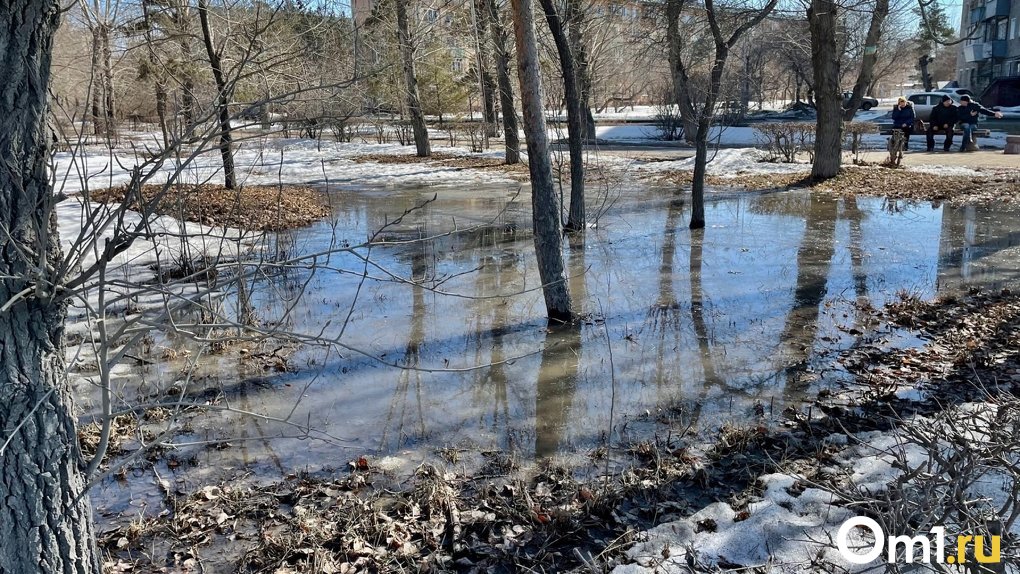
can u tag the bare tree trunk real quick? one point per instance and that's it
(575, 25)
(575, 121)
(97, 84)
(183, 24)
(700, 168)
(500, 39)
(45, 516)
(827, 98)
(545, 218)
(867, 71)
(110, 98)
(488, 84)
(723, 46)
(158, 77)
(421, 133)
(922, 65)
(678, 73)
(223, 97)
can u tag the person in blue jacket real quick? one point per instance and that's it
(903, 118)
(967, 114)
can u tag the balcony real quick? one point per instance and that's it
(985, 51)
(996, 9)
(977, 14)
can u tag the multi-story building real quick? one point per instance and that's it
(991, 49)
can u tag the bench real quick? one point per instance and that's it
(982, 133)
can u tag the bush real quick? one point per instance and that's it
(782, 141)
(669, 122)
(855, 132)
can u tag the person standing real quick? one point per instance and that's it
(943, 119)
(967, 113)
(903, 119)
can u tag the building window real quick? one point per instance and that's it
(1014, 32)
(458, 65)
(431, 15)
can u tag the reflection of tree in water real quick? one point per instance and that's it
(814, 259)
(712, 378)
(665, 313)
(410, 378)
(489, 388)
(558, 376)
(666, 309)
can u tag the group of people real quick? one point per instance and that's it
(943, 120)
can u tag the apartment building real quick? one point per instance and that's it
(992, 46)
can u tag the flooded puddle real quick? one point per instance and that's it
(740, 313)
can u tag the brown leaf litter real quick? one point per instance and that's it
(251, 208)
(878, 181)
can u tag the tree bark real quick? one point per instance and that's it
(678, 73)
(575, 121)
(545, 218)
(828, 100)
(182, 19)
(45, 516)
(488, 84)
(421, 133)
(158, 77)
(700, 168)
(110, 103)
(97, 99)
(223, 97)
(575, 26)
(867, 71)
(500, 38)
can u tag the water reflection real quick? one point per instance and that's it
(406, 416)
(557, 383)
(767, 286)
(814, 259)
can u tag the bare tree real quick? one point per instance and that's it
(575, 121)
(823, 21)
(223, 96)
(421, 134)
(738, 20)
(869, 57)
(500, 39)
(100, 18)
(45, 516)
(545, 221)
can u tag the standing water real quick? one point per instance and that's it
(446, 344)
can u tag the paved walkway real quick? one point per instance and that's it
(975, 159)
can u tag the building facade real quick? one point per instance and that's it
(991, 49)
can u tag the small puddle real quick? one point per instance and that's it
(742, 312)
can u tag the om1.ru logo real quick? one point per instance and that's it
(982, 554)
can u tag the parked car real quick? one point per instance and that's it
(925, 101)
(866, 104)
(957, 92)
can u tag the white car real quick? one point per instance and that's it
(957, 92)
(925, 101)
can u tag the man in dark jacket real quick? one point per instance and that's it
(943, 119)
(967, 114)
